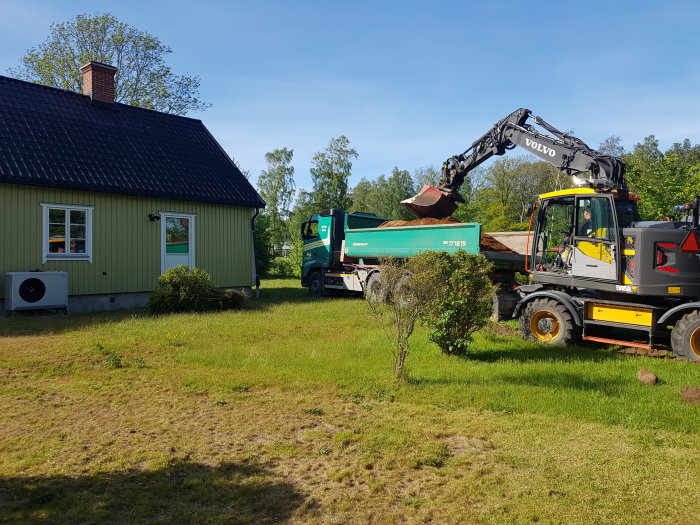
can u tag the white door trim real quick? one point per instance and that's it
(192, 239)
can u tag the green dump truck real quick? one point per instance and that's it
(342, 251)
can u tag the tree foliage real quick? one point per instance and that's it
(263, 243)
(463, 300)
(501, 192)
(451, 293)
(276, 187)
(426, 175)
(663, 180)
(383, 195)
(143, 79)
(612, 146)
(330, 172)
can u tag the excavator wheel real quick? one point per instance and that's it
(548, 321)
(685, 337)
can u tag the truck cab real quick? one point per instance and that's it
(323, 235)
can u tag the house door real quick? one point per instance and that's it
(177, 240)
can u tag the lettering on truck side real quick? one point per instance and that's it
(539, 147)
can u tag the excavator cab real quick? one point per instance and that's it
(577, 234)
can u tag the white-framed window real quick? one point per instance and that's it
(67, 232)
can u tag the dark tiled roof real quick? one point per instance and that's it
(56, 138)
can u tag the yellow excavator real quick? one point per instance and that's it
(597, 272)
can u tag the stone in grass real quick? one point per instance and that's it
(646, 377)
(691, 394)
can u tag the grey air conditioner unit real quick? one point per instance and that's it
(34, 290)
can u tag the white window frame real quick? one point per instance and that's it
(193, 247)
(48, 256)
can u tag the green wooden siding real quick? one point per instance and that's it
(126, 245)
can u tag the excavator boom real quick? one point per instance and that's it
(566, 152)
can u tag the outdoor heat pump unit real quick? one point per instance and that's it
(35, 290)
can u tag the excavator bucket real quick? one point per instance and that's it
(430, 202)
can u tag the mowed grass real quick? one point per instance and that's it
(286, 412)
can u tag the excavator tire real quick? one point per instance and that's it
(685, 337)
(548, 321)
(316, 284)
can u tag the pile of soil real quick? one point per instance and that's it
(487, 243)
(490, 244)
(428, 221)
(691, 394)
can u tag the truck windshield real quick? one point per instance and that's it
(310, 230)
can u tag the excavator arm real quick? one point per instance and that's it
(568, 153)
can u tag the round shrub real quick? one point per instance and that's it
(185, 289)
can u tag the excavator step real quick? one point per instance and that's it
(616, 342)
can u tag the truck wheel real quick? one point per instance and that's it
(547, 321)
(373, 287)
(685, 337)
(316, 284)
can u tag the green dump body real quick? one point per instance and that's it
(404, 241)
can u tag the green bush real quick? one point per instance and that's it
(185, 289)
(282, 267)
(464, 299)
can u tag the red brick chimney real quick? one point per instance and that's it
(98, 81)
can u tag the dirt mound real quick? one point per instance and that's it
(427, 221)
(490, 244)
(691, 394)
(487, 242)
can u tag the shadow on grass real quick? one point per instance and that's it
(274, 296)
(37, 324)
(31, 323)
(549, 353)
(567, 381)
(181, 493)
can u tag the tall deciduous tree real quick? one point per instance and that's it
(663, 179)
(276, 187)
(612, 146)
(426, 175)
(383, 195)
(143, 79)
(330, 172)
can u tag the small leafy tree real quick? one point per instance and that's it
(397, 297)
(463, 297)
(452, 294)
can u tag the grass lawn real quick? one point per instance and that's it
(286, 412)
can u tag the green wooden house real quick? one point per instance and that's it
(114, 194)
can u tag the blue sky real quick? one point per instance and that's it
(410, 83)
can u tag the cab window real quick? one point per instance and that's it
(309, 230)
(594, 219)
(556, 220)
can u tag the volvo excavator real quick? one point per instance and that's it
(597, 272)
